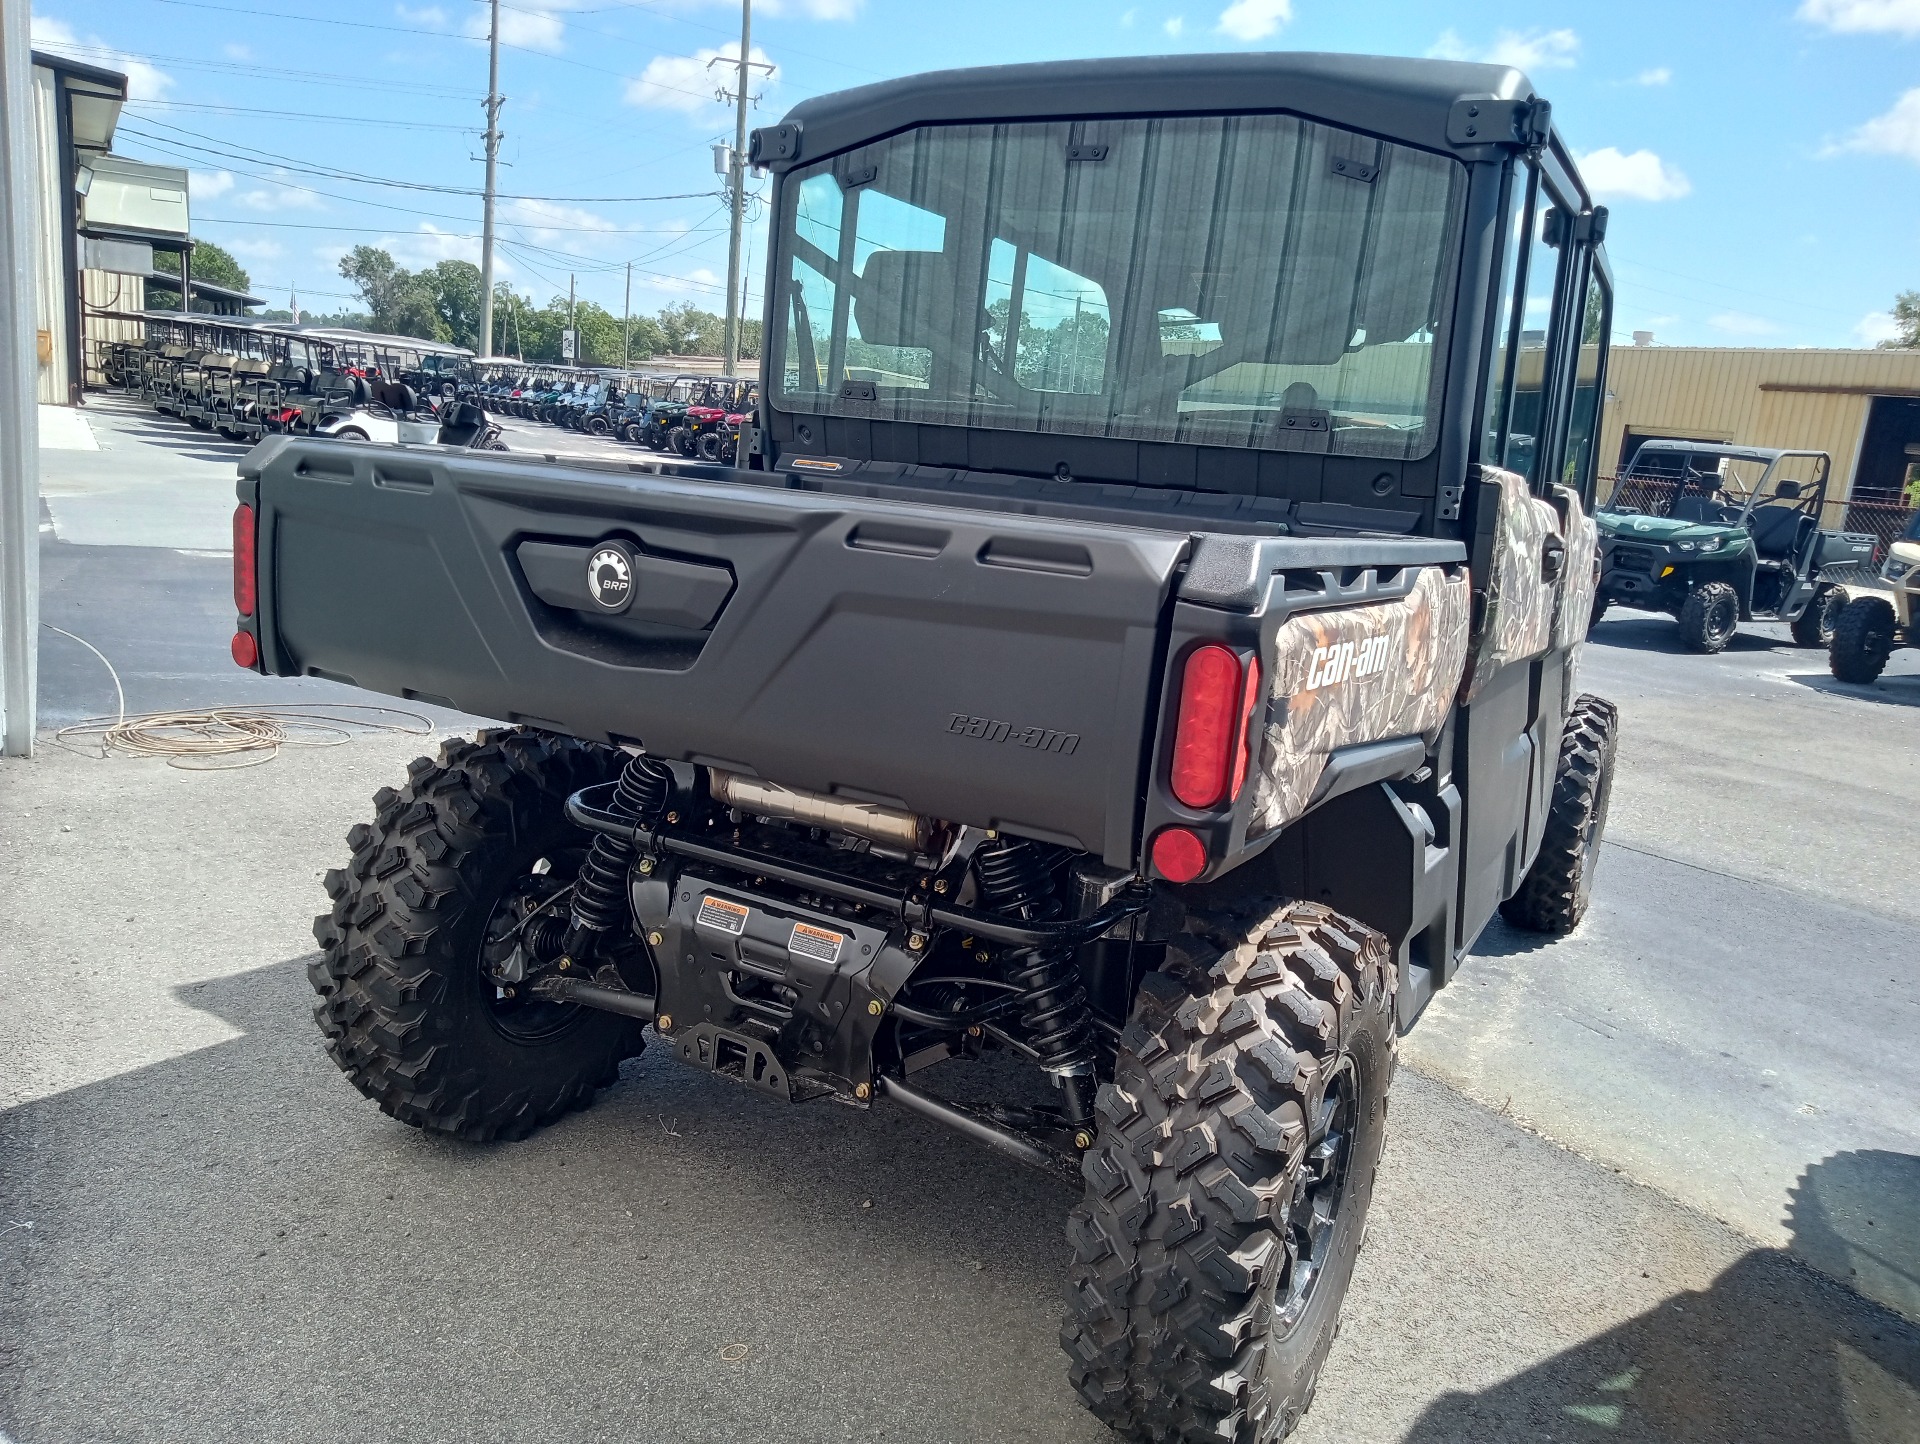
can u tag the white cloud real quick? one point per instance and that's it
(1864, 17)
(1876, 327)
(812, 9)
(145, 81)
(1128, 17)
(279, 194)
(430, 245)
(1174, 26)
(430, 17)
(1659, 75)
(1641, 176)
(1739, 323)
(1254, 19)
(205, 185)
(1895, 133)
(1528, 50)
(267, 250)
(233, 50)
(688, 82)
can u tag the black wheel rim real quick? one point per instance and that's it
(533, 902)
(1722, 617)
(1315, 1212)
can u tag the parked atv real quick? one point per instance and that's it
(1880, 615)
(1718, 535)
(837, 775)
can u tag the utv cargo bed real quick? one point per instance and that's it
(990, 667)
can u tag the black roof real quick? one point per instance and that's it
(1393, 97)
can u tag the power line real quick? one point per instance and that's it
(461, 235)
(298, 167)
(302, 115)
(295, 77)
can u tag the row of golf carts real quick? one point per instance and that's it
(246, 378)
(1719, 535)
(699, 417)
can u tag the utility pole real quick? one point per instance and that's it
(626, 323)
(737, 184)
(573, 332)
(493, 103)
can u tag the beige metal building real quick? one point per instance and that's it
(1862, 407)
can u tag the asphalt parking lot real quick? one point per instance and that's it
(1660, 1181)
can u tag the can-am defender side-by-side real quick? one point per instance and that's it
(1139, 642)
(1880, 614)
(1720, 535)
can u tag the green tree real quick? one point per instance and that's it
(1906, 317)
(213, 264)
(401, 302)
(455, 287)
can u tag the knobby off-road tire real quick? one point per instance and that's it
(1814, 626)
(1862, 640)
(407, 1009)
(1600, 606)
(1709, 617)
(1243, 1110)
(1553, 896)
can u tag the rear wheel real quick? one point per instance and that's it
(1709, 617)
(1814, 626)
(467, 863)
(1227, 1194)
(349, 433)
(1553, 896)
(1862, 640)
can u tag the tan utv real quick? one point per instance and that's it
(1879, 615)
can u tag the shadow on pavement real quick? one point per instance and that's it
(1499, 940)
(1770, 1354)
(1650, 632)
(234, 1244)
(1899, 690)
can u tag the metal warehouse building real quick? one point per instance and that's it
(1862, 407)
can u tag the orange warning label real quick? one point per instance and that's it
(811, 942)
(724, 914)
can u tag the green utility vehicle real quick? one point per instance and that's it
(1720, 535)
(1880, 615)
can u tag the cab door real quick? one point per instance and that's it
(1521, 514)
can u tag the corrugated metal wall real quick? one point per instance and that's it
(1816, 400)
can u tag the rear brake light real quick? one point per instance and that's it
(243, 583)
(1178, 854)
(1210, 745)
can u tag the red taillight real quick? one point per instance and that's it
(246, 651)
(243, 594)
(1178, 854)
(1211, 745)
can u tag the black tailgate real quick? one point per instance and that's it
(991, 669)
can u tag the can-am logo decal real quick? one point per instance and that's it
(1042, 739)
(610, 578)
(1346, 661)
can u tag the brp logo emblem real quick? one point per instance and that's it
(610, 578)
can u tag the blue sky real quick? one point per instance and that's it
(1761, 157)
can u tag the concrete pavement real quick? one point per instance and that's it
(206, 1234)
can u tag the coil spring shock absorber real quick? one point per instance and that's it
(600, 891)
(1015, 878)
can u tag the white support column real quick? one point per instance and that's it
(19, 367)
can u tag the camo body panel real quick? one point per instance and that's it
(1580, 577)
(1519, 615)
(1359, 674)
